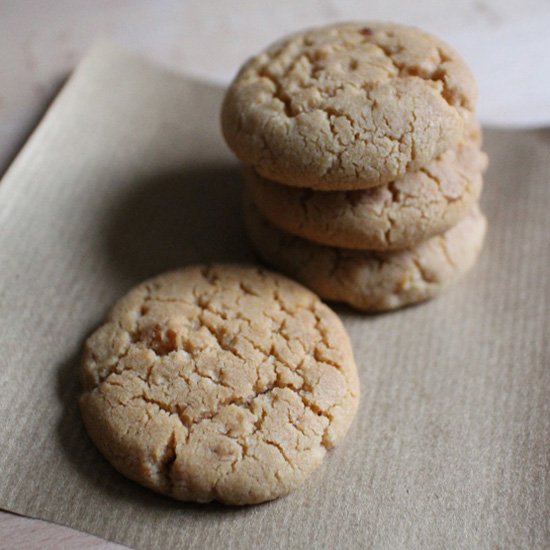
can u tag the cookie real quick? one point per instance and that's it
(368, 280)
(219, 382)
(397, 215)
(348, 106)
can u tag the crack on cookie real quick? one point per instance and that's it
(281, 451)
(278, 93)
(442, 243)
(223, 345)
(423, 273)
(167, 461)
(438, 75)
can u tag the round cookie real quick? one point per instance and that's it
(219, 382)
(348, 106)
(368, 280)
(402, 213)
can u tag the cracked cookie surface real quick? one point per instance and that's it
(397, 215)
(219, 382)
(348, 106)
(370, 280)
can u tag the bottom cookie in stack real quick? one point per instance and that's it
(371, 280)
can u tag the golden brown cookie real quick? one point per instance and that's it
(369, 280)
(396, 215)
(219, 382)
(348, 106)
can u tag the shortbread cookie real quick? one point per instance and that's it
(219, 383)
(396, 215)
(366, 280)
(348, 106)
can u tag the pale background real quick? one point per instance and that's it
(41, 41)
(506, 41)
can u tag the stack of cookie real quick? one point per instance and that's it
(363, 161)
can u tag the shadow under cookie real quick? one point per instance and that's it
(176, 219)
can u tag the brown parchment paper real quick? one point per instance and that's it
(126, 176)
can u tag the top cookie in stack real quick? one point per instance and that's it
(377, 121)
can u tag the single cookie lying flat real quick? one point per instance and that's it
(219, 382)
(367, 280)
(348, 106)
(397, 215)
